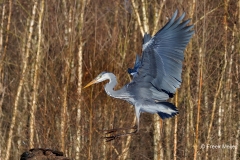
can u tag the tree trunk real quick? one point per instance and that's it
(80, 128)
(36, 76)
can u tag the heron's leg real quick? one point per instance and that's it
(135, 128)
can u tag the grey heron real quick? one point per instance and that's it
(156, 75)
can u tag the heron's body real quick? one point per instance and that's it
(157, 74)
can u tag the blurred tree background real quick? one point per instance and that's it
(50, 49)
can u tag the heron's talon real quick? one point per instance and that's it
(110, 131)
(110, 138)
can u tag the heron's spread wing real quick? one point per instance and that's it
(161, 62)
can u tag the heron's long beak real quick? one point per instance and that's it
(90, 83)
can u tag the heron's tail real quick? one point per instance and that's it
(169, 110)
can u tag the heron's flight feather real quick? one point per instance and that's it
(161, 62)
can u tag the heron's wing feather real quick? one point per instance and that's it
(136, 66)
(146, 38)
(161, 62)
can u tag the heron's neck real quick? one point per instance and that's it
(109, 87)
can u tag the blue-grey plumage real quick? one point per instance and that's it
(136, 66)
(157, 74)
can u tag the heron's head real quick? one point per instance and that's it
(101, 77)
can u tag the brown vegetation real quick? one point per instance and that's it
(50, 49)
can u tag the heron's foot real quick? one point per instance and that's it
(115, 136)
(111, 138)
(108, 131)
